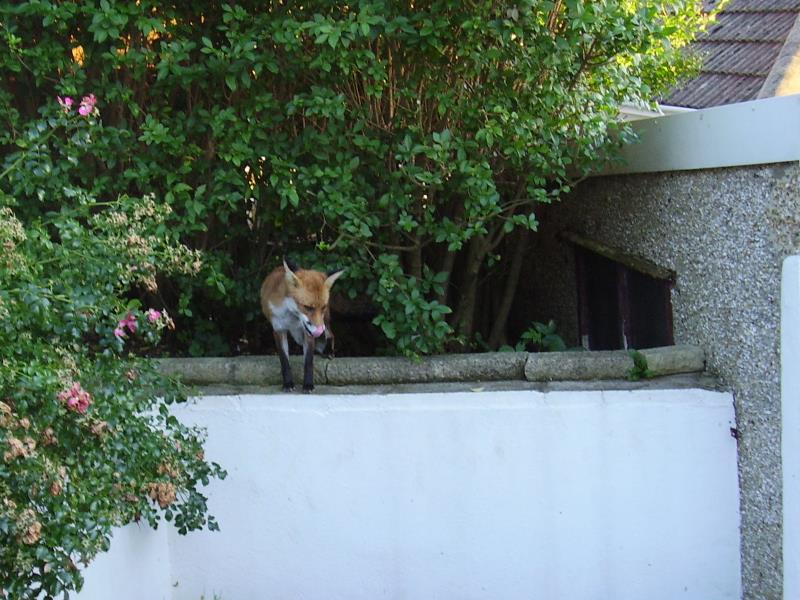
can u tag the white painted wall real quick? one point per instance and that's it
(748, 133)
(136, 567)
(579, 495)
(567, 495)
(790, 418)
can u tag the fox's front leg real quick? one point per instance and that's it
(282, 344)
(308, 364)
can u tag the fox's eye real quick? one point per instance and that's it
(308, 308)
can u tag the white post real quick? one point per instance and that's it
(790, 403)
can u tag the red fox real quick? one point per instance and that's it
(296, 302)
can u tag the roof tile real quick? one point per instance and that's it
(738, 52)
(738, 58)
(760, 5)
(764, 26)
(716, 89)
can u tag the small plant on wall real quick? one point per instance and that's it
(539, 337)
(87, 442)
(640, 369)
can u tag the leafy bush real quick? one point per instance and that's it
(86, 439)
(405, 141)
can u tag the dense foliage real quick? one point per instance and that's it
(86, 438)
(410, 142)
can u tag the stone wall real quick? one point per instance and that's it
(724, 232)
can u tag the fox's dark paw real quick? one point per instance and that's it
(288, 387)
(308, 388)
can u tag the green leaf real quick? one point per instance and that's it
(389, 329)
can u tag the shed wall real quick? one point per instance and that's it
(724, 232)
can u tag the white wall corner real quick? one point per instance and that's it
(790, 408)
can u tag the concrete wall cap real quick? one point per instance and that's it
(611, 364)
(490, 366)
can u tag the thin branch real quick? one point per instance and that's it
(584, 63)
(552, 19)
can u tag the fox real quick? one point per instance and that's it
(295, 301)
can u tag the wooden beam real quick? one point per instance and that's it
(632, 262)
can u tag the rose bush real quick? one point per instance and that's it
(87, 441)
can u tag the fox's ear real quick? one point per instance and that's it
(288, 273)
(289, 264)
(333, 277)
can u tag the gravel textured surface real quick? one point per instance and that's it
(725, 233)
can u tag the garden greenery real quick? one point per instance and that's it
(410, 142)
(539, 337)
(87, 442)
(157, 159)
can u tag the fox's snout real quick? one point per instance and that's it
(315, 330)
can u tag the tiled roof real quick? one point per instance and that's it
(738, 52)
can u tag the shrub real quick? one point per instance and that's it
(87, 442)
(539, 337)
(411, 142)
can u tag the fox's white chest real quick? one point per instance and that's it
(286, 317)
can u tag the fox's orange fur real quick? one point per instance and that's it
(296, 303)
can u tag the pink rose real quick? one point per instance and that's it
(66, 102)
(87, 105)
(83, 403)
(153, 315)
(130, 322)
(76, 398)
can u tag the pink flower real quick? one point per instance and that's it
(153, 315)
(66, 102)
(87, 105)
(76, 398)
(129, 321)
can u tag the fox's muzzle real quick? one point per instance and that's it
(315, 331)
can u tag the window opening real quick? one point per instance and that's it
(620, 306)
